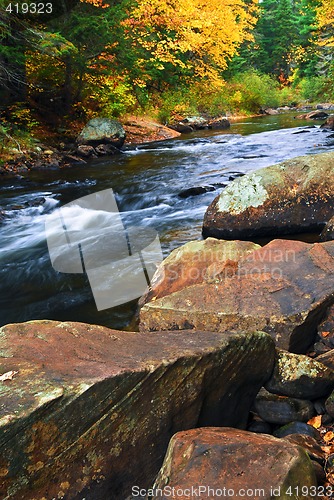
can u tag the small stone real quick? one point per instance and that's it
(85, 151)
(195, 191)
(282, 409)
(297, 428)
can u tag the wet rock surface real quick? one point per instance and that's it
(291, 197)
(235, 460)
(284, 288)
(87, 412)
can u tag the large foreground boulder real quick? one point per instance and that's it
(227, 463)
(292, 197)
(87, 412)
(284, 288)
(102, 131)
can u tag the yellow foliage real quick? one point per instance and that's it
(208, 33)
(325, 18)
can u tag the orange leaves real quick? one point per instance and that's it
(315, 421)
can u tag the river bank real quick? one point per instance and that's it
(138, 130)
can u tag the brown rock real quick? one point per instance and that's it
(310, 445)
(87, 412)
(292, 197)
(219, 123)
(282, 288)
(299, 376)
(313, 115)
(232, 463)
(139, 130)
(329, 123)
(197, 262)
(85, 151)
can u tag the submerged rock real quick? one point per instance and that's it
(195, 191)
(102, 131)
(292, 197)
(87, 412)
(233, 464)
(313, 115)
(300, 377)
(283, 288)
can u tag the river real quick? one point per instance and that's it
(146, 180)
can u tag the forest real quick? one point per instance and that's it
(63, 63)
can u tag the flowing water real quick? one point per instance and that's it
(146, 180)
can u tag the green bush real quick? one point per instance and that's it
(316, 88)
(254, 90)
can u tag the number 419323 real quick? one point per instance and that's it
(29, 8)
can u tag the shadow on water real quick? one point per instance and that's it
(146, 180)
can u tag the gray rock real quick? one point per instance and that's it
(282, 409)
(291, 197)
(299, 376)
(102, 131)
(85, 151)
(297, 428)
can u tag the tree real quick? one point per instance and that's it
(191, 38)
